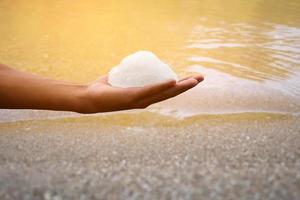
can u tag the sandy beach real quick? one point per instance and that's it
(237, 156)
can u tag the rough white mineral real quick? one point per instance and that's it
(140, 69)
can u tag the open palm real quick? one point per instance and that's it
(107, 98)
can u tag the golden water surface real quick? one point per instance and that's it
(249, 51)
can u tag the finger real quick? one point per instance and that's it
(198, 77)
(180, 88)
(171, 92)
(154, 89)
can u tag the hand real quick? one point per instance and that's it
(20, 90)
(104, 98)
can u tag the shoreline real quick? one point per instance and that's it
(44, 115)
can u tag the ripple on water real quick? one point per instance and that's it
(264, 52)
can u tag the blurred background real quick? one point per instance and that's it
(249, 51)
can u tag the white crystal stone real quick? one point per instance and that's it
(140, 69)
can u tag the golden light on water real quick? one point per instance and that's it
(81, 40)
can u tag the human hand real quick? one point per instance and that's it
(102, 97)
(21, 90)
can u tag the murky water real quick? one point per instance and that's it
(249, 51)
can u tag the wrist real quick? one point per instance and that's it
(84, 102)
(80, 100)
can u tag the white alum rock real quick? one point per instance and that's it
(140, 69)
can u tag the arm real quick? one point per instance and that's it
(22, 90)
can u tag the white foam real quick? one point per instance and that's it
(140, 69)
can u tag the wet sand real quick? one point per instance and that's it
(149, 156)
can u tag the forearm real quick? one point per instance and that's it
(27, 91)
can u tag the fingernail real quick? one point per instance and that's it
(195, 82)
